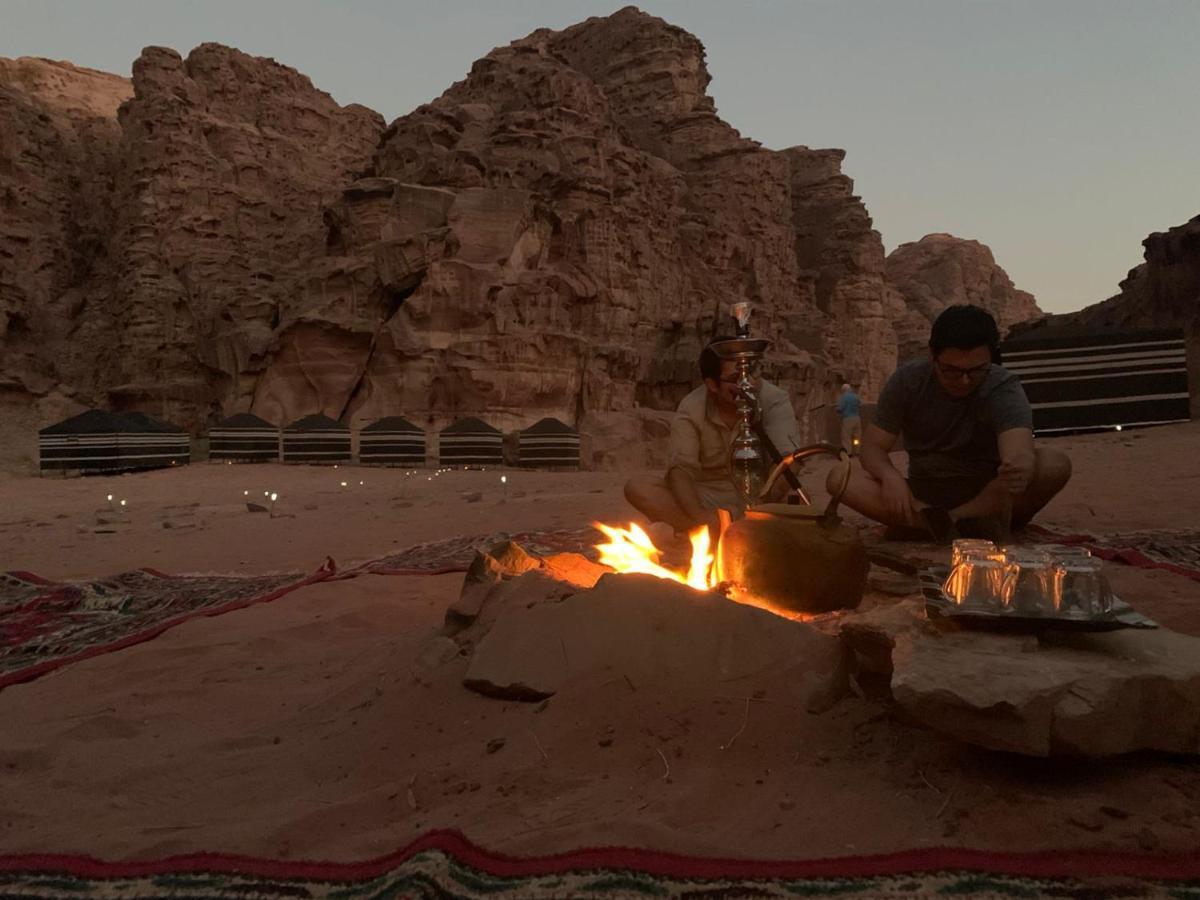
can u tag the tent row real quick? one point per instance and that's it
(1087, 379)
(99, 441)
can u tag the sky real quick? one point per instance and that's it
(1058, 132)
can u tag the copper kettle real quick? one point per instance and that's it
(793, 560)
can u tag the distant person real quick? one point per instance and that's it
(968, 428)
(848, 408)
(698, 480)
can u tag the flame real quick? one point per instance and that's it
(630, 550)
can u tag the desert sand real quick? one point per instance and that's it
(305, 727)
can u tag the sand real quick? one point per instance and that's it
(304, 728)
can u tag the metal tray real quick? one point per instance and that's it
(939, 606)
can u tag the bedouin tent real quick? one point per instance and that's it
(1078, 379)
(392, 441)
(470, 442)
(316, 439)
(244, 437)
(101, 441)
(548, 444)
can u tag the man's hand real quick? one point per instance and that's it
(898, 498)
(1015, 475)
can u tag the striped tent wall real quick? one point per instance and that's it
(1081, 381)
(548, 444)
(470, 442)
(393, 441)
(100, 441)
(243, 438)
(316, 439)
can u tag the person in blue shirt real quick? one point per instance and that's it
(848, 408)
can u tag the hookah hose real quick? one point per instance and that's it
(776, 457)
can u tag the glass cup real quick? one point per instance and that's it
(965, 547)
(1082, 591)
(1030, 583)
(975, 580)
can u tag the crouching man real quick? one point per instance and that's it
(967, 426)
(698, 480)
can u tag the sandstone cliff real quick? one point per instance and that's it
(940, 270)
(556, 235)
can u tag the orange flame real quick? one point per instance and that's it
(630, 550)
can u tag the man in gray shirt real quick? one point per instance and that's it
(968, 429)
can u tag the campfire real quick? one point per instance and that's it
(630, 550)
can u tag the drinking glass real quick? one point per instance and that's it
(1082, 591)
(965, 547)
(1030, 585)
(974, 583)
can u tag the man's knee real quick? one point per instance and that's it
(638, 489)
(1053, 468)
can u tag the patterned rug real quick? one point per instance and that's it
(46, 624)
(1174, 551)
(455, 554)
(446, 865)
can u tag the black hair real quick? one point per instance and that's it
(964, 327)
(710, 363)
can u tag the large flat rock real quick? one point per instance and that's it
(1057, 694)
(655, 633)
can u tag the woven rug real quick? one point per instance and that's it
(46, 624)
(1175, 551)
(446, 865)
(455, 554)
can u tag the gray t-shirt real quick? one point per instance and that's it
(947, 437)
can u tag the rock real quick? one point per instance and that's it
(436, 652)
(574, 569)
(1064, 694)
(657, 633)
(256, 507)
(940, 270)
(513, 559)
(495, 744)
(1160, 293)
(555, 235)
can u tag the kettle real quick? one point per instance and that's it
(793, 560)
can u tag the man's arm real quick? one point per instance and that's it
(683, 488)
(1016, 458)
(897, 495)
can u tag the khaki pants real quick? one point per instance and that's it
(851, 434)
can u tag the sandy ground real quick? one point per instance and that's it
(303, 728)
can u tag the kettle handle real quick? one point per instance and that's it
(823, 449)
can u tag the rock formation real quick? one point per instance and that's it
(59, 155)
(556, 235)
(940, 270)
(1162, 292)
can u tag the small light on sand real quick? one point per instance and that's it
(335, 465)
(504, 484)
(1118, 428)
(361, 483)
(274, 497)
(504, 479)
(245, 493)
(122, 504)
(343, 484)
(110, 498)
(266, 493)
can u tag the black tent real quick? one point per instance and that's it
(102, 441)
(470, 442)
(1084, 379)
(393, 441)
(316, 439)
(244, 437)
(549, 443)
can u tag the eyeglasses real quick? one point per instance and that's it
(958, 373)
